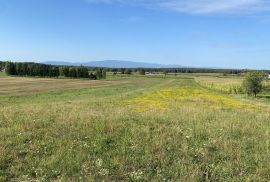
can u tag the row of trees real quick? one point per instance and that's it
(162, 70)
(175, 70)
(44, 70)
(31, 69)
(82, 72)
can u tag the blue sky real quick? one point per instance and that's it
(201, 33)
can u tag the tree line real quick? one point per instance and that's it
(45, 70)
(83, 72)
(174, 70)
(2, 65)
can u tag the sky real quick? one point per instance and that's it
(196, 33)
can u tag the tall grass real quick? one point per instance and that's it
(97, 134)
(228, 85)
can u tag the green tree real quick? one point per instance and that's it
(127, 71)
(73, 72)
(19, 69)
(24, 69)
(253, 83)
(10, 68)
(64, 71)
(122, 70)
(92, 76)
(142, 71)
(104, 74)
(82, 72)
(98, 73)
(165, 72)
(55, 71)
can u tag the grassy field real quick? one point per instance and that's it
(229, 85)
(22, 85)
(130, 129)
(232, 85)
(2, 74)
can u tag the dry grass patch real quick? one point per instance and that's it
(23, 85)
(227, 85)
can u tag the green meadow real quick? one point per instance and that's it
(2, 74)
(131, 128)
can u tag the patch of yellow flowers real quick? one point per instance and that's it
(187, 96)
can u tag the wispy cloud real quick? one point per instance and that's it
(198, 6)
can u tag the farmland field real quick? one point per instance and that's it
(130, 129)
(223, 84)
(232, 85)
(22, 85)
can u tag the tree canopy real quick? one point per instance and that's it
(253, 82)
(44, 70)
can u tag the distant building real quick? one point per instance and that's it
(268, 76)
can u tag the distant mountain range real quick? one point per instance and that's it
(113, 64)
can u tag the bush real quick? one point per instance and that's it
(127, 71)
(142, 72)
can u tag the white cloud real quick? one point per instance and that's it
(197, 6)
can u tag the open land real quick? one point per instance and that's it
(135, 128)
